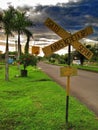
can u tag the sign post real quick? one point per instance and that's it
(67, 40)
(68, 84)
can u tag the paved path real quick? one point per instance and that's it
(84, 86)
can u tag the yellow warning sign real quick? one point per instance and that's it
(68, 71)
(35, 50)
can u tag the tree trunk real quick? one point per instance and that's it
(19, 47)
(6, 60)
(19, 51)
(27, 45)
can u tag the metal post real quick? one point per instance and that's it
(68, 84)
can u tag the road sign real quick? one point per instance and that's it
(35, 50)
(48, 50)
(56, 28)
(68, 71)
(64, 34)
(68, 39)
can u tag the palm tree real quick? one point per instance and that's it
(7, 20)
(21, 23)
(29, 35)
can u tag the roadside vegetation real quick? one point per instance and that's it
(76, 59)
(36, 102)
(15, 22)
(88, 68)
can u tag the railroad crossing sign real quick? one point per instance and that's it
(67, 39)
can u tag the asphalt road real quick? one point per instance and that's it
(84, 86)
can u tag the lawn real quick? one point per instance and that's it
(93, 68)
(36, 102)
(88, 68)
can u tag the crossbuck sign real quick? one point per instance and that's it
(68, 38)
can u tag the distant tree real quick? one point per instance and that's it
(80, 56)
(94, 49)
(53, 58)
(61, 59)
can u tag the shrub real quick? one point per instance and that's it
(27, 59)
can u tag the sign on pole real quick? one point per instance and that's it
(68, 39)
(35, 50)
(64, 34)
(56, 28)
(68, 71)
(48, 50)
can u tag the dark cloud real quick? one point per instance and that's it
(72, 16)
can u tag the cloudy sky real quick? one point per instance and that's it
(72, 15)
(4, 3)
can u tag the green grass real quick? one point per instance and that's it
(36, 102)
(93, 68)
(88, 68)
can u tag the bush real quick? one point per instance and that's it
(27, 59)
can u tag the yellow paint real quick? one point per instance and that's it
(56, 28)
(68, 39)
(48, 50)
(35, 50)
(68, 71)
